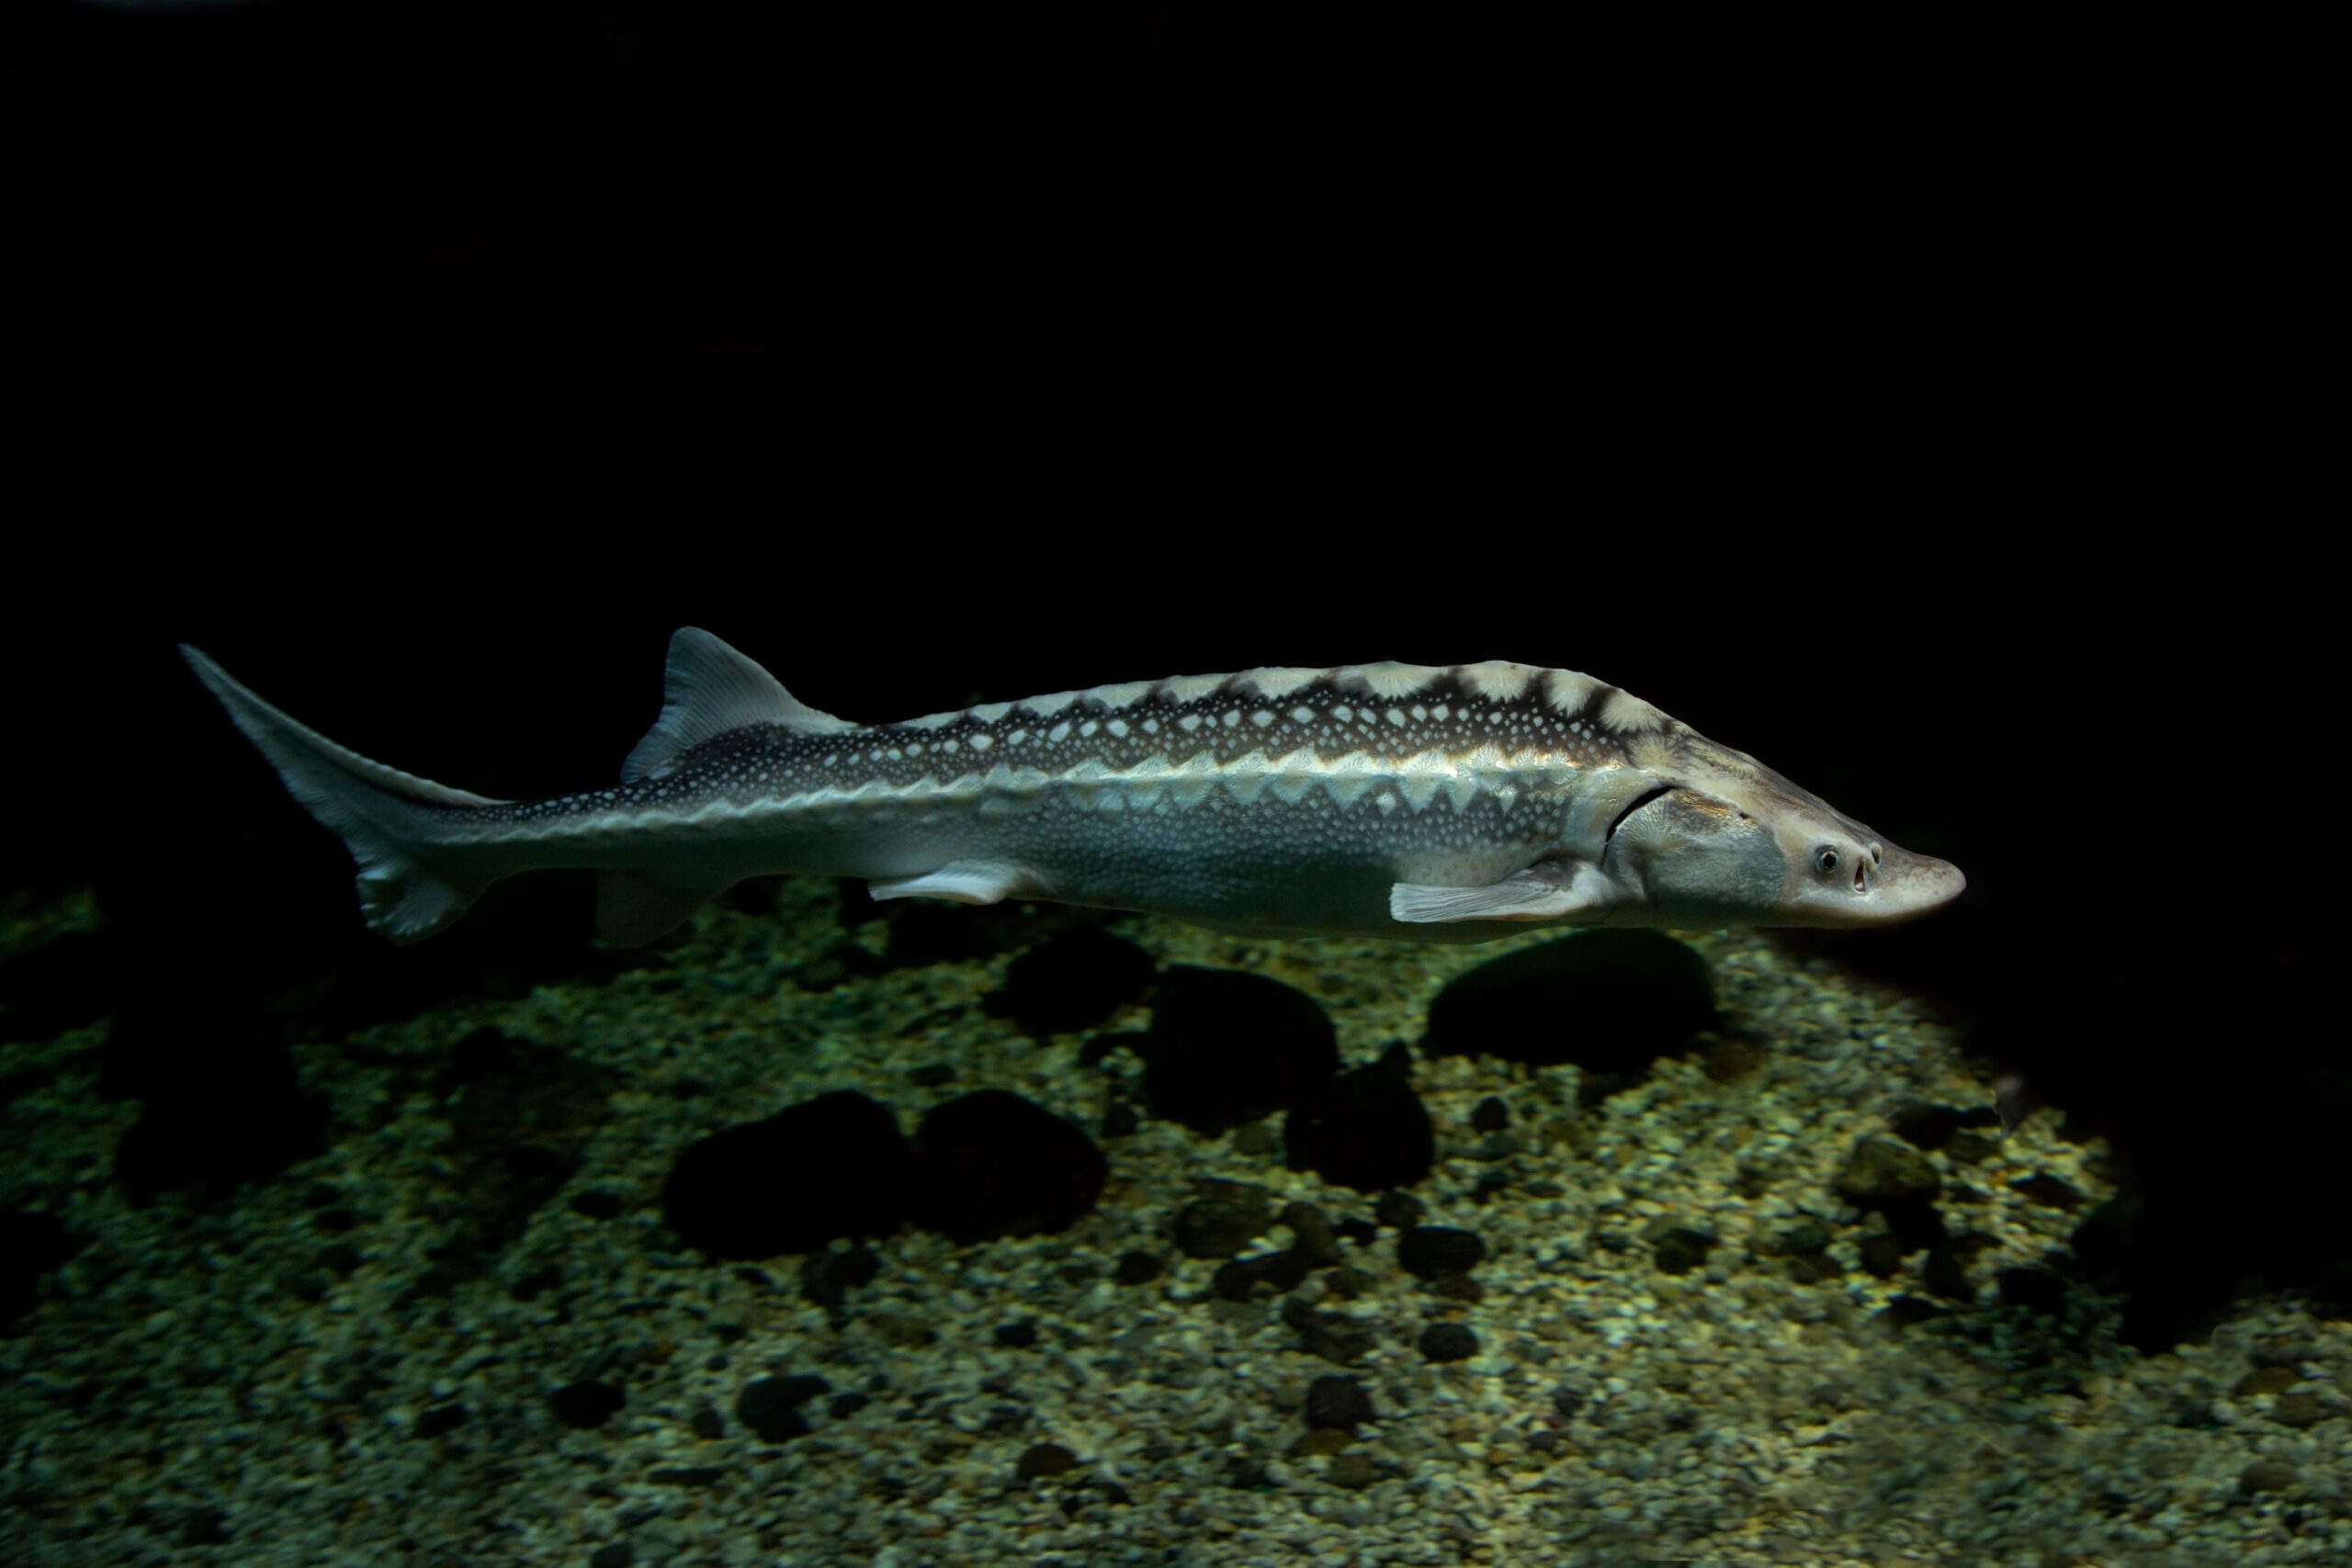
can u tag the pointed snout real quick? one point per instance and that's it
(1909, 885)
(1893, 887)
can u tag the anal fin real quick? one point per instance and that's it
(634, 907)
(959, 881)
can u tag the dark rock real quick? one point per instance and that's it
(1270, 1273)
(706, 1423)
(1137, 1268)
(841, 1407)
(1226, 1217)
(2266, 1379)
(2268, 1475)
(1611, 1001)
(520, 1117)
(1017, 1335)
(434, 1420)
(244, 1118)
(1489, 1115)
(2282, 1350)
(1812, 1267)
(1333, 1335)
(1879, 1170)
(1447, 1342)
(1366, 1128)
(1566, 1402)
(1925, 1126)
(2049, 1191)
(1226, 1048)
(1311, 1235)
(1805, 1236)
(687, 1475)
(1439, 1252)
(1679, 1249)
(1881, 1253)
(1073, 981)
(1354, 1472)
(597, 1205)
(770, 1407)
(1044, 1460)
(931, 1075)
(2036, 1289)
(2298, 1410)
(587, 1404)
(205, 1527)
(834, 1165)
(1337, 1403)
(1734, 1057)
(993, 1164)
(827, 1278)
(32, 1243)
(616, 1554)
(1248, 1474)
(1397, 1211)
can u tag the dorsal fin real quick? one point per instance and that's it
(708, 688)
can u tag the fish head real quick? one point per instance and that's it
(1720, 840)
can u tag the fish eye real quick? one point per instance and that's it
(1824, 860)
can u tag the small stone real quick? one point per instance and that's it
(1337, 1403)
(1437, 1252)
(1322, 1441)
(1447, 1342)
(1225, 1218)
(1137, 1269)
(770, 1406)
(706, 1423)
(440, 1419)
(1812, 1267)
(2267, 1475)
(1680, 1250)
(2297, 1410)
(688, 1475)
(587, 1404)
(1805, 1236)
(615, 1554)
(1257, 1140)
(1354, 1472)
(2266, 1379)
(1489, 1115)
(1398, 1210)
(1311, 1235)
(1044, 1460)
(1017, 1335)
(1879, 1170)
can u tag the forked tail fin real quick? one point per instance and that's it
(412, 879)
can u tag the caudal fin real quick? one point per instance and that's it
(413, 881)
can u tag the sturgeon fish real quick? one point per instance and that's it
(1455, 803)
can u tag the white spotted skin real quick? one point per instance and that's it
(1284, 801)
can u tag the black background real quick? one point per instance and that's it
(1882, 406)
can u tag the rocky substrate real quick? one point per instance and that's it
(955, 1237)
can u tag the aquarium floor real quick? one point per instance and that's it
(192, 1389)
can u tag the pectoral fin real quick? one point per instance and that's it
(960, 882)
(1539, 893)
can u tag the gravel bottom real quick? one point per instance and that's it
(302, 1374)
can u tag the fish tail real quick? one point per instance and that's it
(412, 879)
